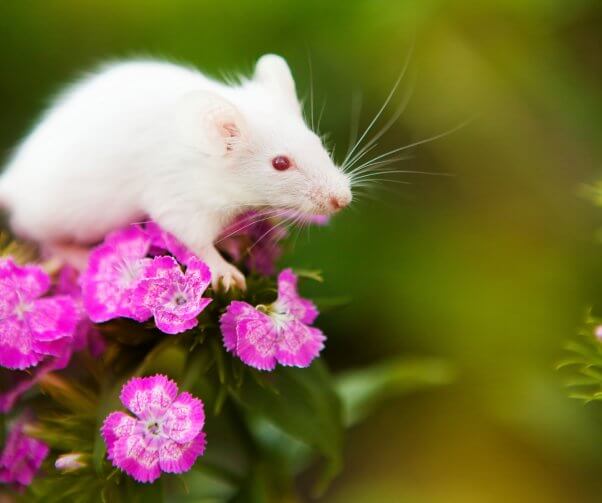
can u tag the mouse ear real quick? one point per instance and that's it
(210, 121)
(273, 71)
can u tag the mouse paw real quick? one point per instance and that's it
(227, 275)
(222, 271)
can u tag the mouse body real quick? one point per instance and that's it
(153, 139)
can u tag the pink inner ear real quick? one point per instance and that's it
(229, 131)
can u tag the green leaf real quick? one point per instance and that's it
(583, 367)
(364, 389)
(67, 393)
(326, 304)
(199, 485)
(315, 275)
(302, 403)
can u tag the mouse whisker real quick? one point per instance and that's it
(358, 157)
(311, 90)
(320, 116)
(396, 171)
(392, 120)
(367, 166)
(356, 109)
(371, 174)
(298, 224)
(382, 108)
(268, 232)
(425, 140)
(371, 183)
(271, 214)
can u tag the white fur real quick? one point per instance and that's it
(150, 138)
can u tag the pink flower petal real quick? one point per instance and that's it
(174, 298)
(198, 276)
(166, 241)
(16, 345)
(170, 323)
(138, 456)
(149, 396)
(58, 348)
(30, 280)
(114, 269)
(22, 456)
(179, 458)
(184, 419)
(288, 297)
(153, 292)
(52, 318)
(236, 310)
(115, 426)
(299, 345)
(256, 341)
(86, 335)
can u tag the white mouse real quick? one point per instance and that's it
(152, 139)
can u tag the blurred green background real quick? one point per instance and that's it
(490, 266)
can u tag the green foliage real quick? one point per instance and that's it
(263, 428)
(362, 390)
(583, 365)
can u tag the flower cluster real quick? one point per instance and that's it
(279, 333)
(142, 273)
(122, 280)
(166, 434)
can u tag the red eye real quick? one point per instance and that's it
(281, 162)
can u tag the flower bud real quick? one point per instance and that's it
(70, 462)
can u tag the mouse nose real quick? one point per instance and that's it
(338, 202)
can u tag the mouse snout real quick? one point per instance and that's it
(340, 201)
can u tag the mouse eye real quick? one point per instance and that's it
(281, 162)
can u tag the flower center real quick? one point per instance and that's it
(280, 319)
(180, 300)
(129, 271)
(21, 308)
(153, 427)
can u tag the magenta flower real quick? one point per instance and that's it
(114, 269)
(86, 335)
(290, 301)
(31, 327)
(174, 298)
(165, 241)
(14, 383)
(22, 456)
(166, 434)
(263, 336)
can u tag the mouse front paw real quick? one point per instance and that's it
(228, 276)
(222, 271)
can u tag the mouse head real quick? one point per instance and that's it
(270, 156)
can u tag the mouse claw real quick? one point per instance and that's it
(228, 277)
